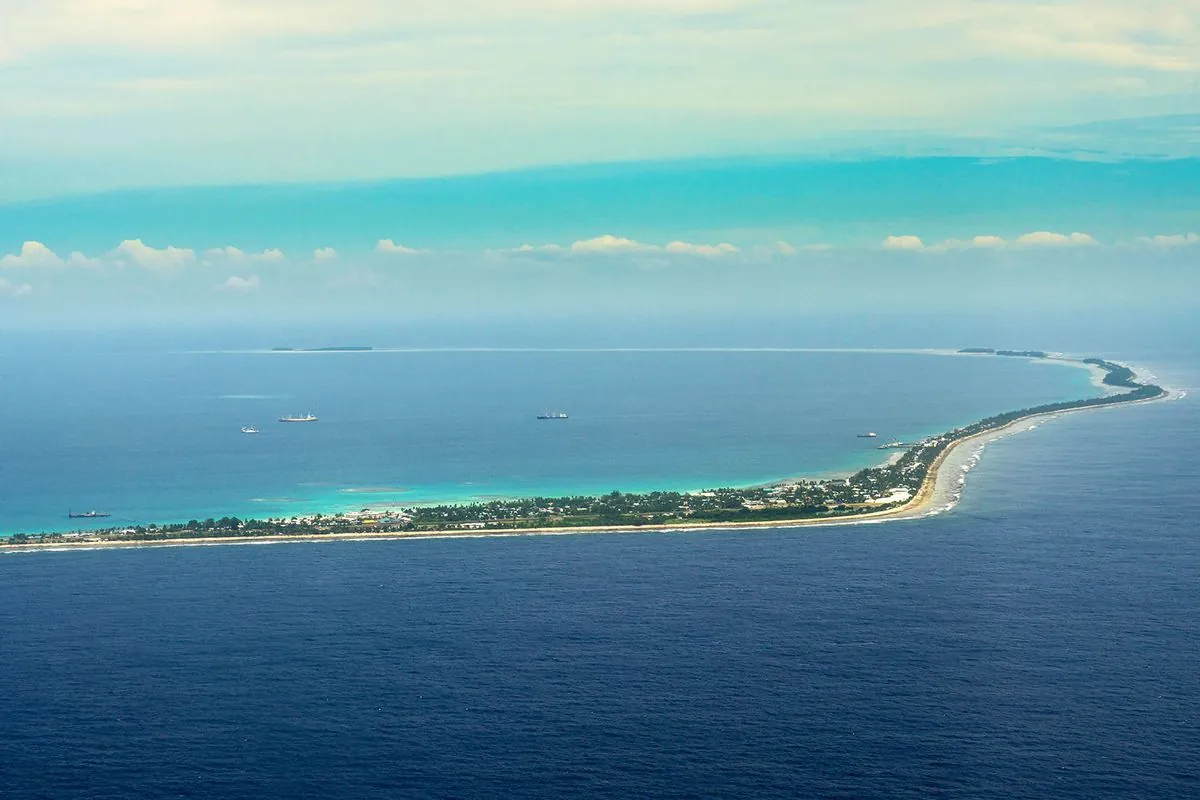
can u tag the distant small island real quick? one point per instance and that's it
(339, 349)
(992, 352)
(905, 486)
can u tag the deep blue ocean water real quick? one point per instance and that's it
(151, 431)
(1039, 641)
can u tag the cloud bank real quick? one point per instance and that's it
(34, 256)
(10, 289)
(235, 255)
(1052, 239)
(608, 244)
(143, 255)
(1170, 240)
(236, 283)
(989, 242)
(905, 242)
(388, 247)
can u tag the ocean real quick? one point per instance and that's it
(1038, 641)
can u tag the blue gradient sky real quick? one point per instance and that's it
(269, 157)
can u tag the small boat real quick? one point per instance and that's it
(553, 415)
(870, 435)
(305, 418)
(249, 429)
(88, 515)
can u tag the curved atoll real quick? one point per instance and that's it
(907, 486)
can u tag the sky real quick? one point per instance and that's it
(462, 157)
(99, 94)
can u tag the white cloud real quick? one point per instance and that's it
(1170, 240)
(33, 254)
(787, 249)
(989, 242)
(325, 254)
(980, 242)
(391, 248)
(1052, 239)
(167, 258)
(610, 244)
(10, 289)
(618, 244)
(903, 243)
(36, 254)
(232, 253)
(239, 284)
(540, 248)
(78, 259)
(974, 243)
(722, 249)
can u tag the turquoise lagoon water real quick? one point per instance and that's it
(152, 432)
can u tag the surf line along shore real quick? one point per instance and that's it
(929, 477)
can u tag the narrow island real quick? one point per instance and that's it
(906, 486)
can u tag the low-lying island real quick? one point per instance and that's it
(908, 485)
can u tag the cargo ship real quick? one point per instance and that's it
(88, 515)
(553, 415)
(870, 435)
(305, 418)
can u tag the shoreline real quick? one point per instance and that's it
(940, 491)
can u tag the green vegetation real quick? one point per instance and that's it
(1116, 375)
(867, 491)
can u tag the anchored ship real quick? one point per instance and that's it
(88, 514)
(870, 435)
(305, 418)
(553, 415)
